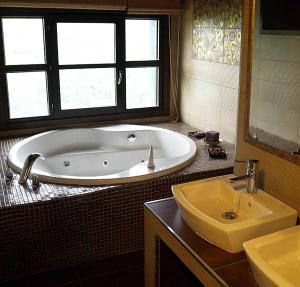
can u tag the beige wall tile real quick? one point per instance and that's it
(206, 92)
(280, 72)
(230, 76)
(281, 49)
(209, 91)
(229, 99)
(186, 37)
(207, 71)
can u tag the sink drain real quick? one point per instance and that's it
(229, 215)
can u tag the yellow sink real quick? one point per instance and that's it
(275, 258)
(224, 214)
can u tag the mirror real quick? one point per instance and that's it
(274, 116)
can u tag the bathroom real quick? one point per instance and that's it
(162, 156)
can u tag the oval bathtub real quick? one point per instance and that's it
(106, 155)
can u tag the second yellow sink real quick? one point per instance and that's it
(275, 258)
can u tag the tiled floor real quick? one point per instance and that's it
(124, 270)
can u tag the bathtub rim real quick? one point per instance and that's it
(103, 180)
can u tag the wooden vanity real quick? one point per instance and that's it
(207, 264)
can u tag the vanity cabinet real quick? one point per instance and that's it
(171, 245)
(172, 271)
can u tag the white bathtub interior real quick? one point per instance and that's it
(96, 156)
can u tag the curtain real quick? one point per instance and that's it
(132, 6)
(154, 6)
(67, 4)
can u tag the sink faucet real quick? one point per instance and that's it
(29, 161)
(251, 175)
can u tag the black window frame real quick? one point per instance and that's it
(58, 117)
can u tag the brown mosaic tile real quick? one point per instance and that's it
(59, 226)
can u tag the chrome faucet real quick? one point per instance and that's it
(251, 175)
(29, 161)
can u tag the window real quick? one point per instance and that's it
(142, 80)
(24, 45)
(71, 65)
(91, 44)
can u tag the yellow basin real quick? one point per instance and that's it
(206, 205)
(275, 258)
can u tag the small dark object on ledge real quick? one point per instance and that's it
(217, 153)
(212, 136)
(197, 135)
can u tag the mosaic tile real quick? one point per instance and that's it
(232, 46)
(212, 41)
(208, 14)
(208, 44)
(233, 16)
(62, 225)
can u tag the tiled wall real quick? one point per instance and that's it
(217, 31)
(210, 66)
(275, 104)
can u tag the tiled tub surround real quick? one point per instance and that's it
(63, 225)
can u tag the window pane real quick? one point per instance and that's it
(23, 41)
(27, 94)
(141, 87)
(141, 40)
(86, 43)
(87, 88)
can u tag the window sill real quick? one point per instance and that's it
(30, 128)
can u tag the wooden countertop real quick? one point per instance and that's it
(233, 269)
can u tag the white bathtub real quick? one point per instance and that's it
(106, 155)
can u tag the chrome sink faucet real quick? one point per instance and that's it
(29, 161)
(250, 176)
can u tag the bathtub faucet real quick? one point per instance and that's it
(150, 158)
(29, 161)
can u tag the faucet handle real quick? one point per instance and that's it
(8, 174)
(252, 165)
(35, 182)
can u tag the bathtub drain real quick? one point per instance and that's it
(66, 163)
(105, 163)
(131, 138)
